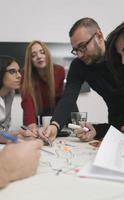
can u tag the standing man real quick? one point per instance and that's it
(90, 65)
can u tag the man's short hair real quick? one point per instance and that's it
(84, 22)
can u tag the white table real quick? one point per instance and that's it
(66, 185)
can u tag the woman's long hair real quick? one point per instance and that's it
(32, 78)
(5, 61)
(113, 58)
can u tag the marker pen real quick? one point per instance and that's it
(8, 136)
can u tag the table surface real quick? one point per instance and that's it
(57, 176)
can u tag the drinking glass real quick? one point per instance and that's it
(78, 117)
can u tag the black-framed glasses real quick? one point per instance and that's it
(13, 71)
(82, 46)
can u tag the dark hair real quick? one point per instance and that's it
(113, 57)
(84, 22)
(5, 61)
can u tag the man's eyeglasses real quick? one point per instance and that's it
(13, 71)
(82, 46)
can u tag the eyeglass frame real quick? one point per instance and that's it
(13, 71)
(82, 47)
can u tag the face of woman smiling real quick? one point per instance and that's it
(38, 56)
(12, 77)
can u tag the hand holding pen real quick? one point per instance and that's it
(29, 132)
(49, 132)
(84, 135)
(40, 134)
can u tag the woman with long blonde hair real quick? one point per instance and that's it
(42, 83)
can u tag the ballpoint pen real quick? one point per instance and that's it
(8, 136)
(46, 139)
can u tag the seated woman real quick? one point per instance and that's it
(10, 79)
(42, 84)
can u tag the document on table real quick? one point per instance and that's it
(109, 160)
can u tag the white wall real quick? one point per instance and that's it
(50, 21)
(94, 105)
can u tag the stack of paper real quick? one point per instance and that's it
(109, 160)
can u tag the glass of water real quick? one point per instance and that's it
(78, 117)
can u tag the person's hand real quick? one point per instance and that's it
(48, 132)
(83, 135)
(34, 130)
(20, 160)
(28, 133)
(31, 132)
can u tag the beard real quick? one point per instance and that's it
(95, 57)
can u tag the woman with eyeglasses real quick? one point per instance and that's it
(10, 78)
(42, 85)
(20, 160)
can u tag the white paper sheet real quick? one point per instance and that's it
(109, 160)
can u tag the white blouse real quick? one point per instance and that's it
(5, 109)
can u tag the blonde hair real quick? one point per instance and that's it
(31, 77)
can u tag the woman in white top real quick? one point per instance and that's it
(14, 157)
(10, 79)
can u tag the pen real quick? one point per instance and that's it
(9, 136)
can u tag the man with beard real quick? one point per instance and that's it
(91, 64)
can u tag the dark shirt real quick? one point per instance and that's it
(100, 79)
